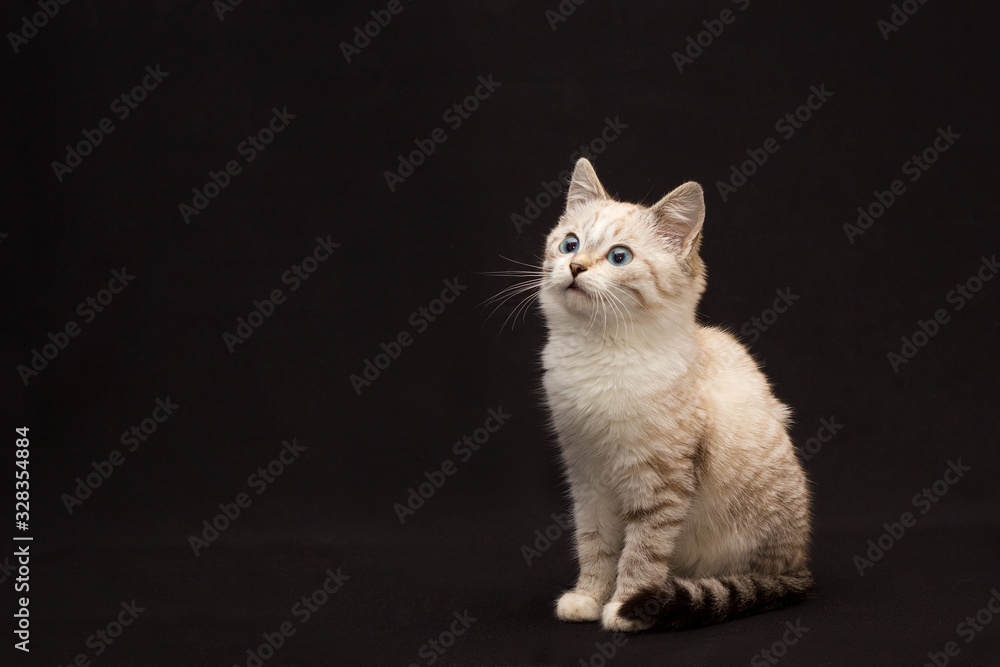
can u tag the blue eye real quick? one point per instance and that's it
(569, 245)
(620, 255)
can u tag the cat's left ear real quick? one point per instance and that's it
(680, 216)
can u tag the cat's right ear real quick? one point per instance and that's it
(584, 186)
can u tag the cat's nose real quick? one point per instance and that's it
(576, 268)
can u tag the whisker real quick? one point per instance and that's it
(593, 318)
(517, 287)
(524, 313)
(519, 283)
(527, 289)
(524, 306)
(513, 314)
(634, 298)
(510, 296)
(531, 266)
(604, 309)
(624, 311)
(618, 315)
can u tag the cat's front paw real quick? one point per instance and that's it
(611, 620)
(577, 608)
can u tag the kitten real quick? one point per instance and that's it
(689, 502)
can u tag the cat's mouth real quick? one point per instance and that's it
(574, 287)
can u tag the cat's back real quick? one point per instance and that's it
(735, 389)
(724, 355)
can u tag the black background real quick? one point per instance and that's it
(324, 175)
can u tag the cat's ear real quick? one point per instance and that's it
(584, 186)
(680, 216)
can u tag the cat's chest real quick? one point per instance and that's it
(593, 382)
(611, 392)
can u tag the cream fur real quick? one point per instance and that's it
(675, 449)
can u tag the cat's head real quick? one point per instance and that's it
(623, 260)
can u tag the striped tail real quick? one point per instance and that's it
(688, 603)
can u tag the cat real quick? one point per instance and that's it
(689, 503)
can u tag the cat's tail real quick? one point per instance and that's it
(686, 603)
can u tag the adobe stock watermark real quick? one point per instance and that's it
(248, 149)
(898, 17)
(968, 629)
(122, 106)
(552, 191)
(436, 647)
(464, 449)
(914, 168)
(923, 501)
(786, 125)
(606, 651)
(223, 7)
(562, 12)
(294, 277)
(7, 570)
(87, 310)
(957, 297)
(755, 326)
(30, 25)
(103, 638)
(307, 606)
(22, 616)
(696, 44)
(362, 35)
(562, 524)
(258, 481)
(779, 649)
(828, 428)
(130, 439)
(454, 116)
(420, 320)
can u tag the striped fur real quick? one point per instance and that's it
(687, 603)
(687, 495)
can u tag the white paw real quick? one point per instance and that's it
(610, 620)
(578, 608)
